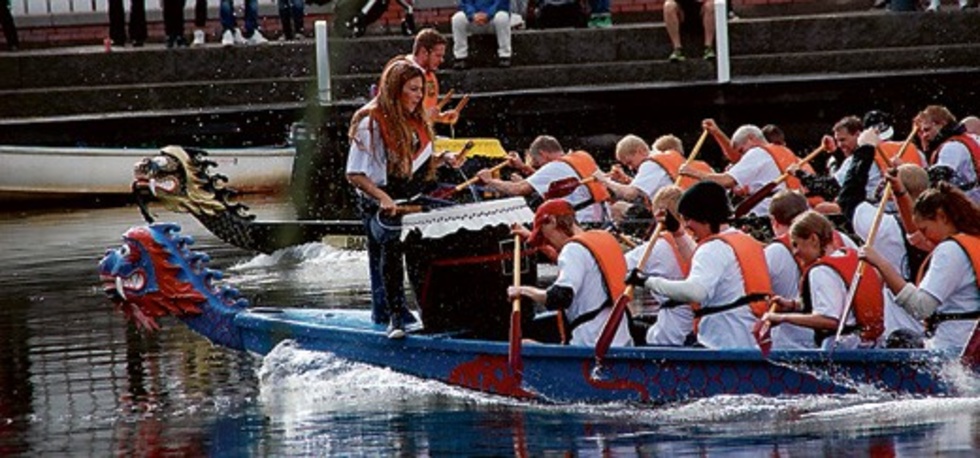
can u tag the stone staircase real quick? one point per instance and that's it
(86, 81)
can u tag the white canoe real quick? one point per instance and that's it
(41, 173)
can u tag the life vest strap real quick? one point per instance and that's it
(742, 301)
(936, 319)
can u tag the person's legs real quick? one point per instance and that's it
(200, 13)
(137, 22)
(379, 307)
(393, 273)
(501, 27)
(9, 28)
(460, 26)
(173, 21)
(298, 14)
(673, 17)
(286, 19)
(708, 20)
(226, 10)
(251, 17)
(117, 22)
(600, 17)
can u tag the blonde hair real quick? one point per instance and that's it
(811, 223)
(629, 145)
(667, 143)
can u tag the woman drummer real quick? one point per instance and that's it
(947, 294)
(390, 159)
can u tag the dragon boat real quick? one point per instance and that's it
(182, 181)
(458, 261)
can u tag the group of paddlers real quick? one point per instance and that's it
(913, 282)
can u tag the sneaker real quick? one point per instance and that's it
(227, 38)
(677, 55)
(460, 64)
(396, 328)
(256, 39)
(503, 62)
(239, 39)
(709, 53)
(516, 21)
(198, 38)
(732, 16)
(300, 35)
(600, 21)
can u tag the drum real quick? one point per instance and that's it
(460, 263)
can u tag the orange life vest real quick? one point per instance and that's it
(784, 158)
(585, 166)
(970, 144)
(751, 258)
(671, 162)
(869, 300)
(421, 136)
(605, 249)
(969, 244)
(890, 150)
(430, 92)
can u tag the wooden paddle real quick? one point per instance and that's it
(563, 187)
(970, 357)
(616, 316)
(514, 351)
(762, 331)
(445, 99)
(445, 193)
(750, 202)
(459, 108)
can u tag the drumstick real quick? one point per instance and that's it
(445, 99)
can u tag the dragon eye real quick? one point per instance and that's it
(124, 251)
(160, 161)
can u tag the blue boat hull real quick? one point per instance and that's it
(554, 373)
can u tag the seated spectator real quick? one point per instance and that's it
(675, 12)
(481, 16)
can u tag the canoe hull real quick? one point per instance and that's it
(30, 173)
(555, 373)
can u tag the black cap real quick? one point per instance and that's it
(706, 202)
(881, 121)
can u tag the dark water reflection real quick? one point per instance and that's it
(76, 380)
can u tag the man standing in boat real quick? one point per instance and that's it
(591, 269)
(728, 275)
(555, 166)
(428, 52)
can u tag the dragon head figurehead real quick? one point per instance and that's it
(179, 178)
(154, 274)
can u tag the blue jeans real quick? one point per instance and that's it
(599, 6)
(227, 11)
(291, 17)
(385, 265)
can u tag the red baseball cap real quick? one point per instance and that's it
(553, 207)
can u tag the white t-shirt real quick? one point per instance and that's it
(785, 275)
(755, 169)
(367, 154)
(827, 294)
(951, 280)
(716, 269)
(650, 177)
(673, 323)
(578, 270)
(889, 239)
(553, 171)
(956, 156)
(874, 176)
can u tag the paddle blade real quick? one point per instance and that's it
(612, 325)
(561, 188)
(971, 352)
(514, 352)
(750, 202)
(762, 331)
(443, 193)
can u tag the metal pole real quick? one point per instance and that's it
(322, 63)
(721, 42)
